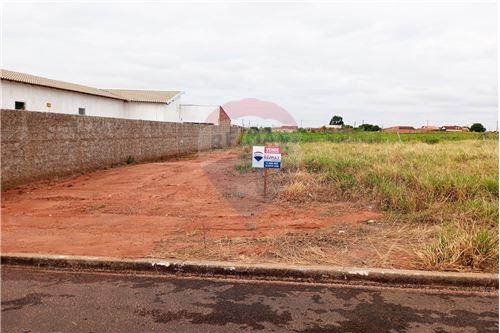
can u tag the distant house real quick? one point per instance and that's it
(286, 129)
(454, 128)
(429, 128)
(334, 126)
(400, 129)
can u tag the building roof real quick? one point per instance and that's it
(401, 127)
(452, 127)
(153, 96)
(41, 81)
(126, 95)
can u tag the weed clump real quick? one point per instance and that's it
(244, 167)
(462, 245)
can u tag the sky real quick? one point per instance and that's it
(381, 63)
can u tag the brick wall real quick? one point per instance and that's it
(41, 145)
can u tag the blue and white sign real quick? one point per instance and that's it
(258, 156)
(266, 157)
(272, 165)
(272, 157)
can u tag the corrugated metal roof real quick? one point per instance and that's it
(126, 95)
(41, 81)
(153, 96)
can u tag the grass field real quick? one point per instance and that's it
(448, 180)
(367, 137)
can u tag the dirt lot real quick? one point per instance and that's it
(199, 207)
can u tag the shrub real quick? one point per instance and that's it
(369, 127)
(253, 130)
(245, 167)
(431, 140)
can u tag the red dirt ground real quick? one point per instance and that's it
(128, 210)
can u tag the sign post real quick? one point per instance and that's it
(265, 182)
(266, 158)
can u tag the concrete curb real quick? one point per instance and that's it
(322, 274)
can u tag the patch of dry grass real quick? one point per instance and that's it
(382, 245)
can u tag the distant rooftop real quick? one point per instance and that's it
(401, 127)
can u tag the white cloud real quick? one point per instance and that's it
(382, 63)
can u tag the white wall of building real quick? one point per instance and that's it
(197, 113)
(152, 111)
(62, 101)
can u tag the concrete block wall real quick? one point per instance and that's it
(41, 145)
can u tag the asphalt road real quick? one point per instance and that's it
(58, 301)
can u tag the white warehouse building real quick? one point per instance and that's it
(34, 93)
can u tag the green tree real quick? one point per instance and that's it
(477, 127)
(336, 120)
(369, 127)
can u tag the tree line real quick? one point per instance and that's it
(339, 121)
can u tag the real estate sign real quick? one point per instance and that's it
(272, 157)
(266, 157)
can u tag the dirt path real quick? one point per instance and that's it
(197, 206)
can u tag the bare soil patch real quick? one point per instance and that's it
(199, 207)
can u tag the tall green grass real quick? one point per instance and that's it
(450, 183)
(367, 137)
